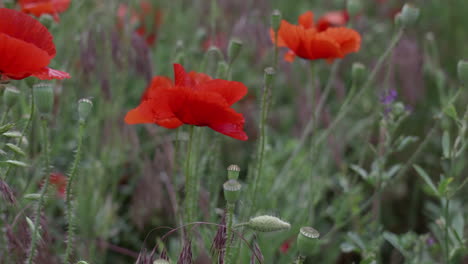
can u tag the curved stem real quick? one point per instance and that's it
(190, 195)
(35, 232)
(69, 197)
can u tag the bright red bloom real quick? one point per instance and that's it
(146, 20)
(40, 7)
(59, 181)
(26, 47)
(192, 99)
(322, 41)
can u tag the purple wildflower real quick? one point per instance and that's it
(388, 97)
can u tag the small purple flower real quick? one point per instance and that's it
(430, 241)
(388, 97)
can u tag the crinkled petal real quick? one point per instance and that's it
(306, 19)
(348, 39)
(231, 91)
(199, 78)
(322, 47)
(153, 111)
(157, 83)
(290, 56)
(47, 73)
(180, 76)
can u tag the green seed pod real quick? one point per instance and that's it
(307, 240)
(408, 15)
(47, 20)
(267, 223)
(233, 172)
(160, 261)
(10, 96)
(358, 73)
(232, 190)
(276, 20)
(84, 109)
(269, 74)
(354, 7)
(44, 96)
(462, 69)
(235, 46)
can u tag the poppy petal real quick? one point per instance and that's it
(280, 42)
(23, 27)
(47, 73)
(322, 47)
(199, 78)
(231, 91)
(157, 83)
(180, 76)
(306, 19)
(348, 39)
(153, 111)
(290, 56)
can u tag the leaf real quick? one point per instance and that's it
(12, 134)
(405, 141)
(32, 196)
(16, 149)
(446, 144)
(451, 111)
(395, 241)
(16, 163)
(348, 247)
(357, 240)
(426, 178)
(444, 186)
(362, 172)
(6, 127)
(31, 227)
(392, 171)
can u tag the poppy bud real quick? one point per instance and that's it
(276, 20)
(160, 261)
(222, 70)
(235, 46)
(10, 96)
(462, 69)
(354, 7)
(358, 73)
(267, 223)
(44, 96)
(232, 191)
(408, 15)
(46, 20)
(306, 240)
(233, 172)
(268, 76)
(84, 108)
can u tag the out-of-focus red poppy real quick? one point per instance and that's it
(40, 7)
(219, 40)
(192, 99)
(59, 181)
(323, 40)
(146, 20)
(26, 48)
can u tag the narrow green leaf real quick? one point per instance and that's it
(444, 186)
(16, 149)
(362, 172)
(6, 127)
(12, 134)
(450, 111)
(446, 144)
(426, 178)
(16, 163)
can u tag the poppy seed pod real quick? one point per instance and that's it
(84, 108)
(268, 76)
(10, 96)
(222, 70)
(462, 69)
(358, 73)
(267, 223)
(160, 261)
(354, 7)
(235, 46)
(307, 240)
(408, 15)
(233, 172)
(232, 190)
(44, 96)
(276, 19)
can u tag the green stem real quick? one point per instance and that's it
(446, 230)
(35, 232)
(275, 58)
(300, 260)
(230, 216)
(190, 195)
(68, 201)
(4, 115)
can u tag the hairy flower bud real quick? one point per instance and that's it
(232, 189)
(44, 96)
(462, 69)
(267, 223)
(233, 172)
(84, 109)
(268, 76)
(276, 20)
(408, 15)
(10, 96)
(358, 73)
(235, 46)
(307, 240)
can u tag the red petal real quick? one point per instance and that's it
(50, 74)
(23, 27)
(307, 19)
(180, 76)
(199, 78)
(290, 56)
(158, 82)
(348, 39)
(231, 91)
(321, 46)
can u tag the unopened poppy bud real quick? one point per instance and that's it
(44, 96)
(267, 223)
(358, 73)
(408, 15)
(46, 20)
(235, 46)
(462, 69)
(84, 108)
(10, 96)
(354, 7)
(307, 240)
(160, 261)
(222, 70)
(233, 172)
(232, 190)
(398, 109)
(276, 19)
(268, 76)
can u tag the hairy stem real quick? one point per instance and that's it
(190, 195)
(230, 216)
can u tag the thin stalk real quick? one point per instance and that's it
(230, 216)
(275, 58)
(68, 201)
(446, 231)
(189, 184)
(35, 232)
(4, 115)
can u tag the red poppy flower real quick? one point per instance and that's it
(40, 7)
(332, 19)
(26, 47)
(192, 99)
(146, 21)
(219, 40)
(59, 181)
(321, 41)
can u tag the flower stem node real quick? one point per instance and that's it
(44, 96)
(233, 172)
(268, 76)
(232, 190)
(358, 73)
(84, 109)
(462, 69)
(160, 261)
(267, 223)
(276, 19)
(10, 96)
(235, 46)
(307, 240)
(354, 7)
(408, 15)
